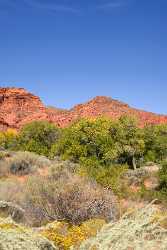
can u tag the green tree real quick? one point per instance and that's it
(163, 178)
(38, 137)
(156, 142)
(88, 142)
(129, 140)
(102, 142)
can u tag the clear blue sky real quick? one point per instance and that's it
(68, 51)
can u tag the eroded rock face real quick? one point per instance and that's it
(18, 107)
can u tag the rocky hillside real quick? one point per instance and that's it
(109, 107)
(17, 107)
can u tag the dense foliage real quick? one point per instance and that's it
(102, 142)
(155, 138)
(92, 142)
(87, 142)
(38, 137)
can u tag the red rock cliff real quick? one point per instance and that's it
(17, 107)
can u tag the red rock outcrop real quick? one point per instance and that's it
(18, 107)
(106, 106)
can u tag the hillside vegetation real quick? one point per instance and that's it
(86, 186)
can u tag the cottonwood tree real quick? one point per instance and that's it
(129, 140)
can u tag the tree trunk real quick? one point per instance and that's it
(134, 163)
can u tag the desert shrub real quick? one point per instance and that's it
(60, 167)
(8, 223)
(10, 209)
(136, 177)
(57, 232)
(8, 139)
(2, 138)
(2, 156)
(38, 137)
(11, 190)
(5, 154)
(107, 176)
(14, 236)
(4, 170)
(140, 229)
(68, 197)
(64, 235)
(23, 163)
(163, 178)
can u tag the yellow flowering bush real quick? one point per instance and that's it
(64, 235)
(8, 138)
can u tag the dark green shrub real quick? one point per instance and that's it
(155, 143)
(38, 137)
(150, 156)
(163, 178)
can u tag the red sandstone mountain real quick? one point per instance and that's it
(18, 107)
(109, 107)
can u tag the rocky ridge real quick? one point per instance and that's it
(18, 107)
